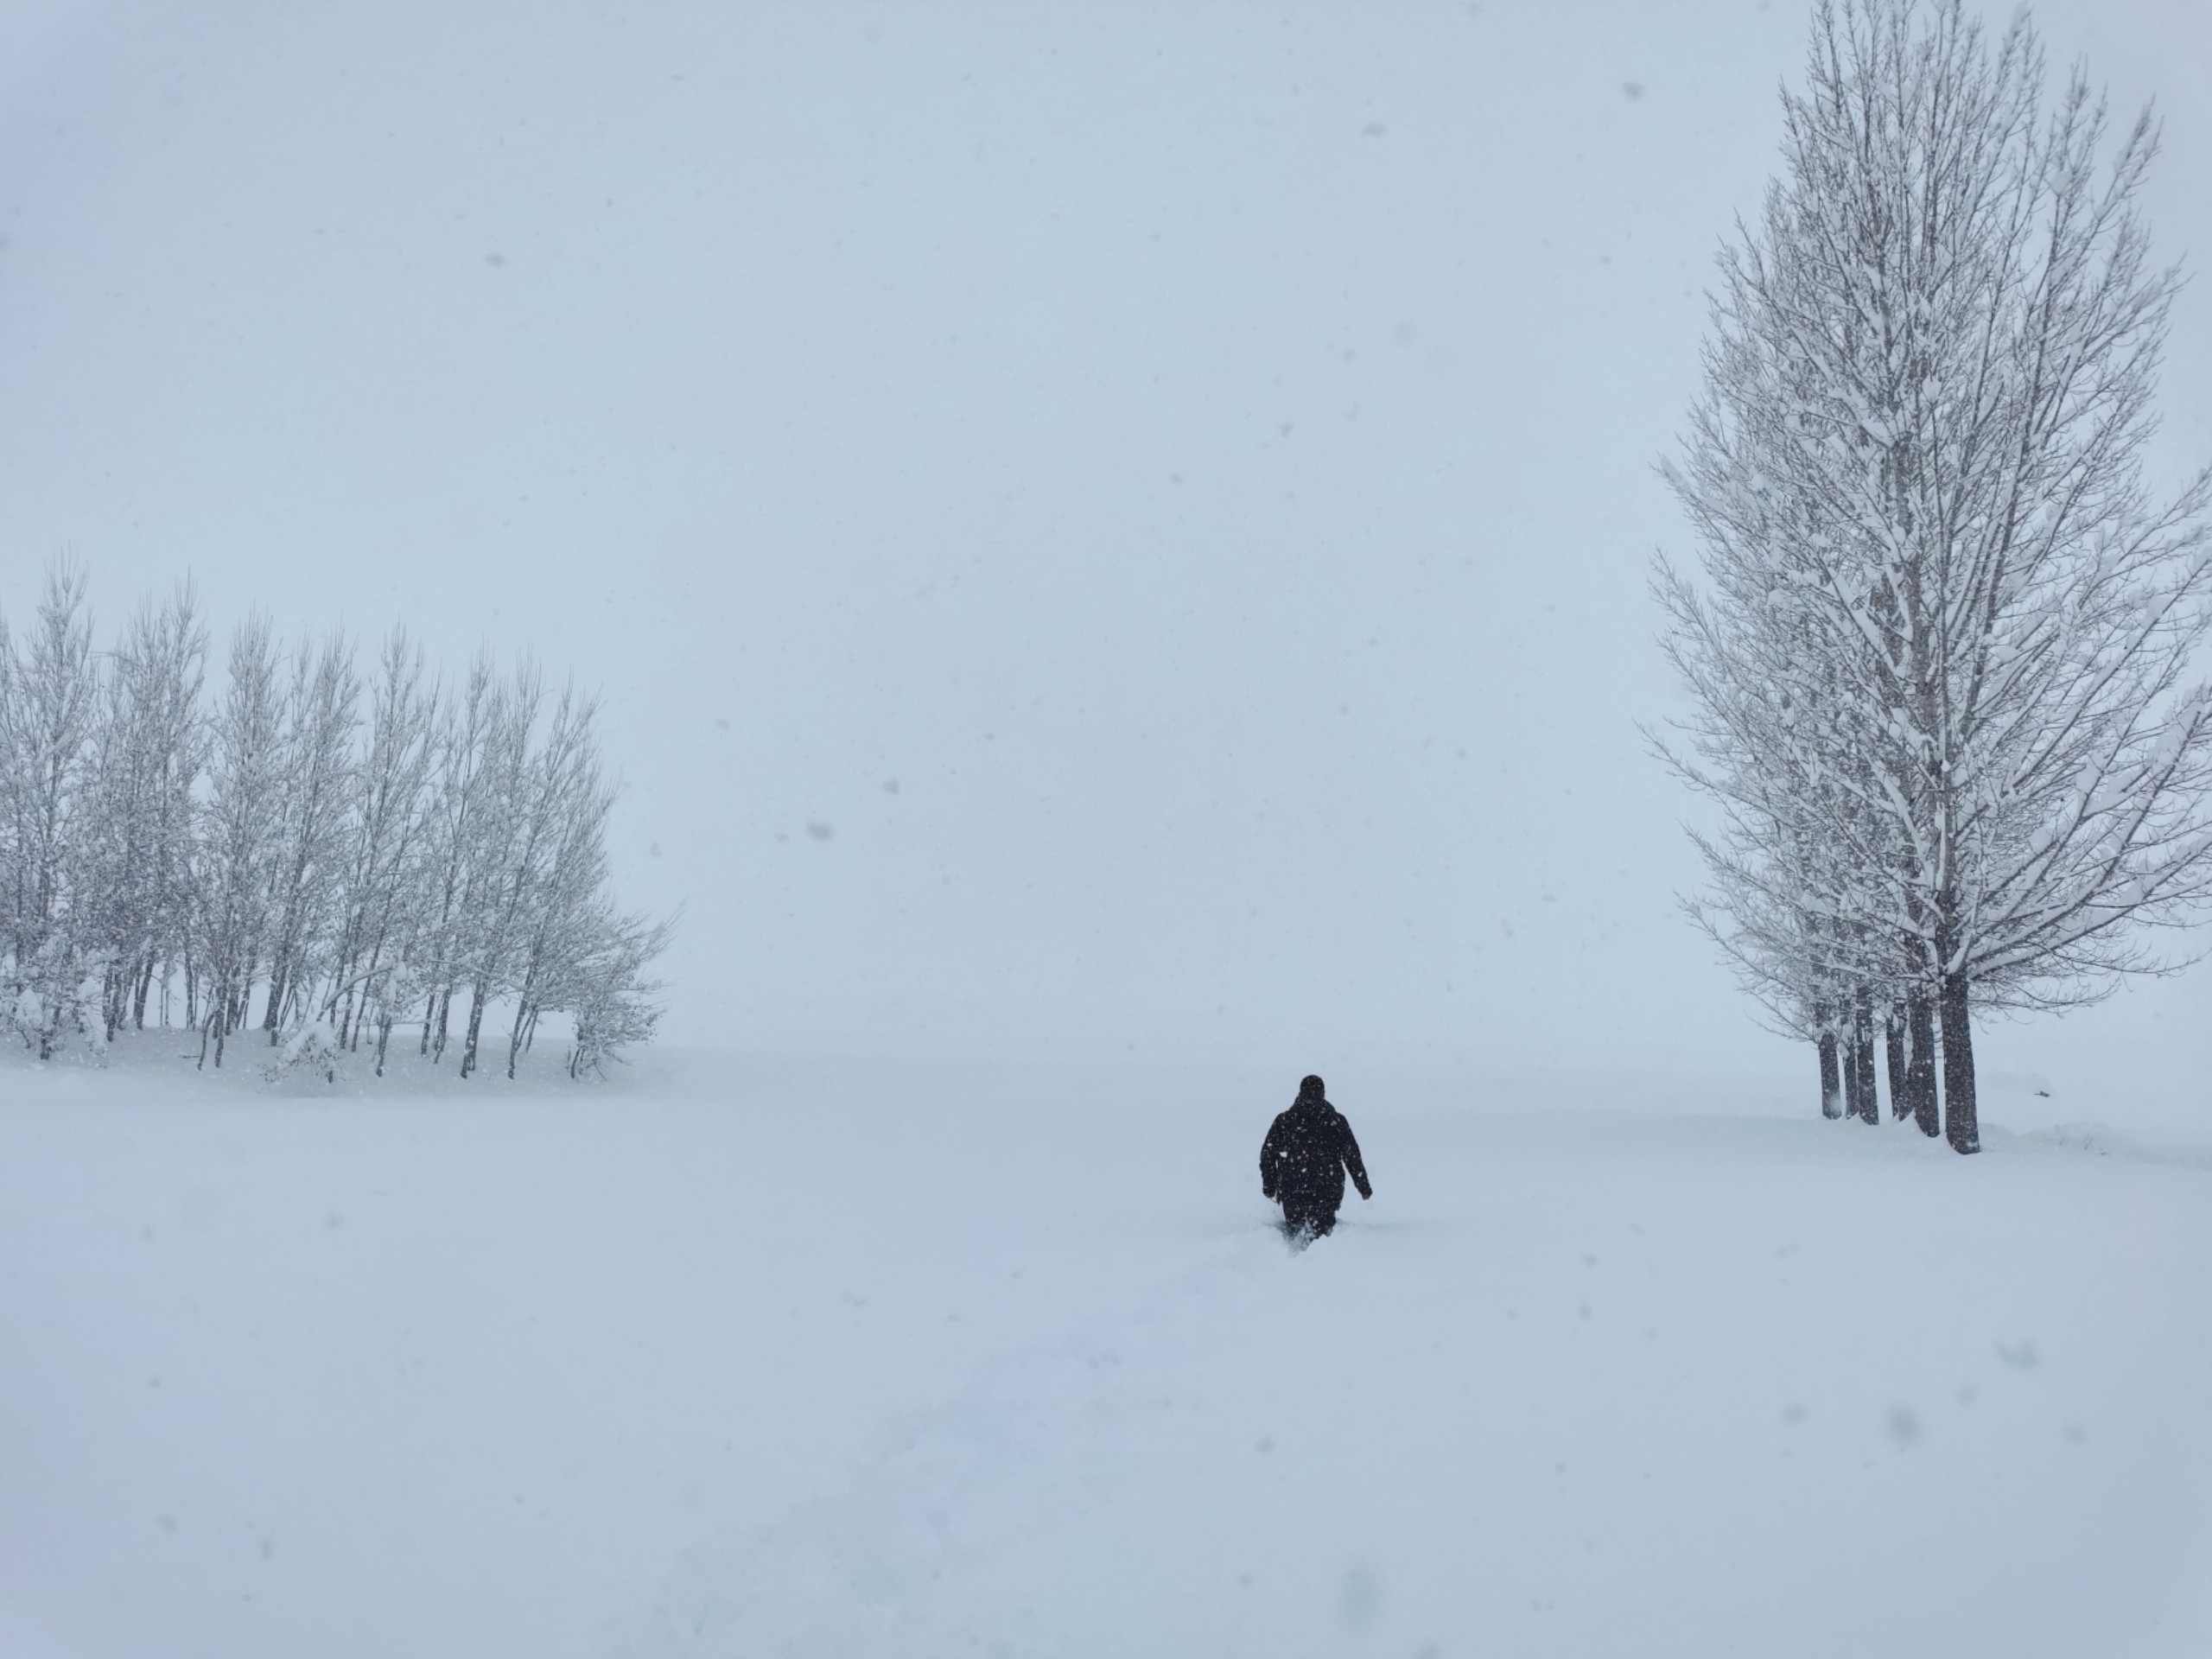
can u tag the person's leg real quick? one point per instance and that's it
(1323, 1222)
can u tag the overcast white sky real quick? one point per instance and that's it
(1101, 528)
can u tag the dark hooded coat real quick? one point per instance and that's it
(1303, 1161)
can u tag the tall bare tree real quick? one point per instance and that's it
(48, 713)
(381, 910)
(317, 777)
(1949, 627)
(241, 833)
(135, 866)
(465, 797)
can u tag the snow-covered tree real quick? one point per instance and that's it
(1941, 661)
(381, 915)
(241, 833)
(559, 919)
(514, 835)
(317, 778)
(350, 869)
(134, 864)
(48, 713)
(610, 1000)
(464, 798)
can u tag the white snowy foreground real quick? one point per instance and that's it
(742, 1358)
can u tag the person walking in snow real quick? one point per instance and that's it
(1303, 1161)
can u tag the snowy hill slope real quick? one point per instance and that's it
(753, 1358)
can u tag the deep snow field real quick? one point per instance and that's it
(740, 1356)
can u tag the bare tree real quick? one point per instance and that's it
(465, 796)
(317, 777)
(560, 920)
(241, 833)
(546, 784)
(1919, 462)
(48, 708)
(502, 854)
(611, 1001)
(382, 911)
(134, 867)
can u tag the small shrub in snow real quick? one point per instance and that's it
(48, 1002)
(314, 1049)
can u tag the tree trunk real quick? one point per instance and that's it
(280, 981)
(1867, 1099)
(1920, 1062)
(514, 1037)
(1831, 1090)
(1893, 1056)
(1960, 1124)
(357, 1006)
(475, 1026)
(237, 1005)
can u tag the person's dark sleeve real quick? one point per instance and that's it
(1352, 1161)
(1270, 1156)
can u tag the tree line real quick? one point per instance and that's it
(306, 849)
(1941, 658)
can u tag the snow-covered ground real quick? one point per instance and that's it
(746, 1357)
